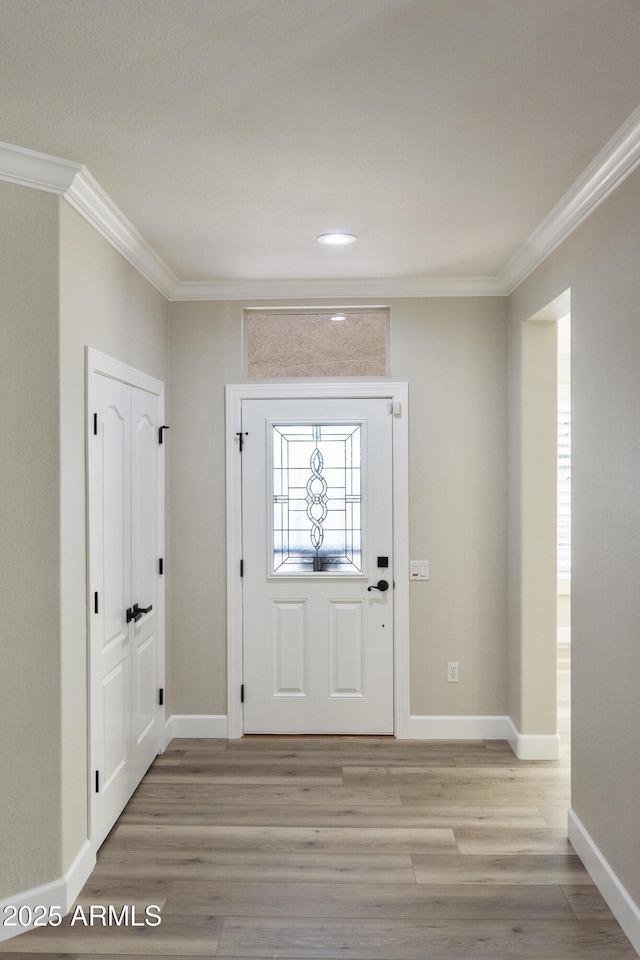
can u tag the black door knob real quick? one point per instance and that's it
(381, 585)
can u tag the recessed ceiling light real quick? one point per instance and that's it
(336, 239)
(337, 317)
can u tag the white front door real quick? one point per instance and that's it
(317, 553)
(125, 655)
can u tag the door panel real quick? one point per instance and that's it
(143, 485)
(317, 513)
(146, 687)
(114, 456)
(289, 654)
(346, 648)
(115, 694)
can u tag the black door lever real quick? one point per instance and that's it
(381, 585)
(137, 612)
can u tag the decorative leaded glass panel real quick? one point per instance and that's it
(317, 498)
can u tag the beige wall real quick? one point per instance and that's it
(30, 759)
(599, 262)
(453, 354)
(206, 353)
(532, 529)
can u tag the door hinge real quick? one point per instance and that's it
(95, 424)
(242, 568)
(97, 781)
(95, 602)
(161, 697)
(160, 429)
(242, 693)
(161, 566)
(240, 435)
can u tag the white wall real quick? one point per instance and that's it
(453, 354)
(599, 262)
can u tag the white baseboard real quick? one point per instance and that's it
(79, 872)
(533, 746)
(60, 893)
(458, 728)
(213, 726)
(48, 895)
(626, 912)
(525, 746)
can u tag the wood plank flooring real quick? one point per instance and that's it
(360, 848)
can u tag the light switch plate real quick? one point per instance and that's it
(419, 570)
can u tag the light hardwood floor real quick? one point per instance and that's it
(362, 848)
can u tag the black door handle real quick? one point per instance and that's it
(136, 612)
(381, 585)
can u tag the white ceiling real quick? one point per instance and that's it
(233, 132)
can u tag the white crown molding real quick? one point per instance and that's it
(27, 168)
(614, 163)
(87, 197)
(40, 171)
(310, 289)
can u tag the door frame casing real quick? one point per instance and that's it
(398, 395)
(100, 364)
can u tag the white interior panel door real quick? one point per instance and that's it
(126, 647)
(317, 543)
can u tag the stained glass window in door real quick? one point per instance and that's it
(317, 498)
